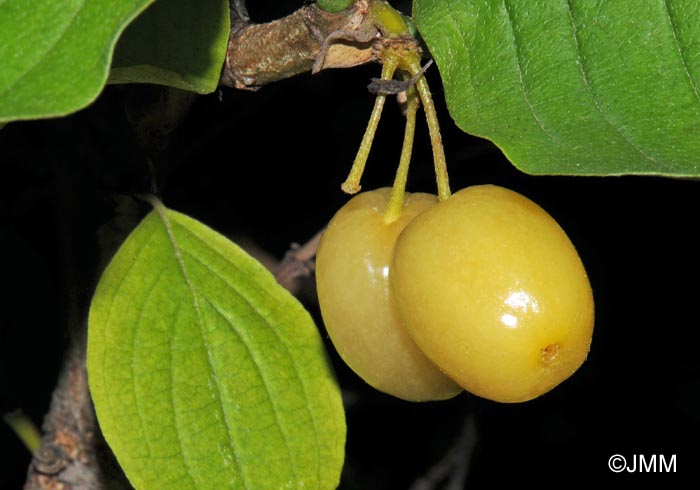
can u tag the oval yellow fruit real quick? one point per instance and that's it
(352, 271)
(493, 291)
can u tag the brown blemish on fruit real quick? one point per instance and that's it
(550, 353)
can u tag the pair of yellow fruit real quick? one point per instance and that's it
(482, 291)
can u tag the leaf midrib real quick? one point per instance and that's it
(276, 334)
(162, 212)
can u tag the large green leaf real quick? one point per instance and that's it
(177, 43)
(55, 55)
(205, 373)
(573, 86)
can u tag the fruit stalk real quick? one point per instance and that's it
(395, 205)
(352, 183)
(440, 162)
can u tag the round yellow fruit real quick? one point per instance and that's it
(352, 277)
(492, 290)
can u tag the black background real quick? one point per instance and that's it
(268, 166)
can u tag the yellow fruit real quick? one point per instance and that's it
(492, 290)
(352, 270)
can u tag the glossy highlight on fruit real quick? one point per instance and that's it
(352, 276)
(493, 291)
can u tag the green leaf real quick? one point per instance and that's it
(55, 55)
(204, 372)
(177, 43)
(573, 86)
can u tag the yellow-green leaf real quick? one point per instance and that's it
(205, 373)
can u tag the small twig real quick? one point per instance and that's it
(308, 39)
(297, 263)
(453, 468)
(24, 428)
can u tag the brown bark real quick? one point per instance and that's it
(73, 455)
(309, 39)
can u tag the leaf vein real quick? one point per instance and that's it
(270, 398)
(109, 315)
(162, 211)
(465, 43)
(176, 425)
(274, 331)
(521, 77)
(681, 54)
(589, 88)
(46, 54)
(139, 318)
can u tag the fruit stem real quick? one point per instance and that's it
(395, 204)
(352, 183)
(441, 176)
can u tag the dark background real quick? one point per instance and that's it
(267, 166)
